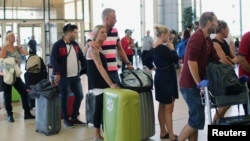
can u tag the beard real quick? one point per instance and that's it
(212, 30)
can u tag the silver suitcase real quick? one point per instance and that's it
(147, 115)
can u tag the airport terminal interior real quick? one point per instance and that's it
(45, 18)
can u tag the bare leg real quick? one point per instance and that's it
(161, 118)
(98, 133)
(169, 120)
(188, 133)
(221, 113)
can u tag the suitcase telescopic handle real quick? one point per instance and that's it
(205, 83)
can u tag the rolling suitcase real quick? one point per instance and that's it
(90, 107)
(143, 86)
(147, 115)
(48, 115)
(71, 100)
(121, 115)
(70, 105)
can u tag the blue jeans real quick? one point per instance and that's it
(73, 84)
(195, 109)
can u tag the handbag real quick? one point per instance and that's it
(137, 79)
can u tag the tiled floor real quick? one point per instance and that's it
(24, 130)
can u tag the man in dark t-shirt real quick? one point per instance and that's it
(32, 45)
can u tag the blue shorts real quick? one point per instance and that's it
(196, 110)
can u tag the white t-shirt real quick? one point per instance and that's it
(72, 64)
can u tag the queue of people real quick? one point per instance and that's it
(158, 54)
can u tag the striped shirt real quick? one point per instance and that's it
(109, 49)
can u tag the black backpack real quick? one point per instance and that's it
(223, 80)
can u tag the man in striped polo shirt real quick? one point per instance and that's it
(112, 45)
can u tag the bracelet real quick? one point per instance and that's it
(128, 63)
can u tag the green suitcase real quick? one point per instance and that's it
(15, 95)
(121, 115)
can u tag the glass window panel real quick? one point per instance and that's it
(25, 9)
(70, 10)
(57, 9)
(79, 10)
(25, 33)
(87, 15)
(1, 9)
(37, 31)
(66, 9)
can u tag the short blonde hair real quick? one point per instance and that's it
(96, 31)
(159, 29)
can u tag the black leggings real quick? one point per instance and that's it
(98, 115)
(20, 87)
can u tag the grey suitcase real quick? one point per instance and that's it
(147, 115)
(90, 107)
(48, 115)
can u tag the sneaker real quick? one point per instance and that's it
(77, 121)
(68, 123)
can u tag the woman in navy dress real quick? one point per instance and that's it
(166, 89)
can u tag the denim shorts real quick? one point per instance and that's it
(195, 109)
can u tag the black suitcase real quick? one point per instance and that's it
(32, 79)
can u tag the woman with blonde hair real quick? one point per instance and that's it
(98, 78)
(10, 51)
(165, 80)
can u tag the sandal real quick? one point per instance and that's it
(165, 136)
(176, 138)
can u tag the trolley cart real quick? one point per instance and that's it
(224, 100)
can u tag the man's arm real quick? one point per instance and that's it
(123, 55)
(193, 67)
(243, 62)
